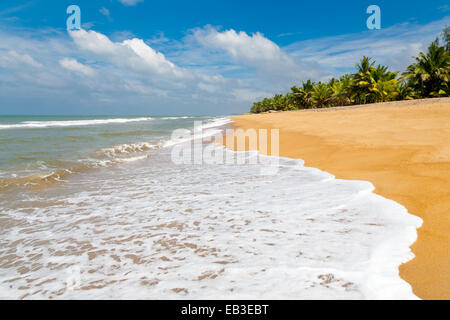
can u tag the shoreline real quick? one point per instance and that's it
(402, 148)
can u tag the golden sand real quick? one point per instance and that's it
(403, 148)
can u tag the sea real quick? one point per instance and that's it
(95, 207)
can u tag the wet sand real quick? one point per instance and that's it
(402, 148)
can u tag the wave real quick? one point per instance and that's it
(213, 128)
(335, 239)
(38, 181)
(176, 118)
(98, 163)
(54, 171)
(124, 149)
(45, 173)
(218, 122)
(70, 123)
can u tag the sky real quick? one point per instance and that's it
(142, 57)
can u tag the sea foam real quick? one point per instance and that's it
(70, 123)
(155, 230)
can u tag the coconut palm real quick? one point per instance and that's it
(321, 95)
(302, 95)
(363, 81)
(386, 90)
(373, 84)
(297, 97)
(404, 91)
(342, 91)
(430, 74)
(382, 73)
(386, 86)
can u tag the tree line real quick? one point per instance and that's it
(428, 76)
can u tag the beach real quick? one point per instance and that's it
(122, 208)
(402, 148)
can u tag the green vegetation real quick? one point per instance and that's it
(427, 77)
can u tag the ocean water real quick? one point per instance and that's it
(94, 207)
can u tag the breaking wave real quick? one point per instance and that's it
(70, 123)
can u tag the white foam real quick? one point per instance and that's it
(217, 122)
(97, 163)
(176, 118)
(127, 148)
(208, 129)
(71, 123)
(156, 230)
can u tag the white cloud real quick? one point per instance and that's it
(145, 56)
(104, 11)
(208, 87)
(258, 52)
(12, 59)
(94, 42)
(121, 35)
(130, 2)
(133, 53)
(207, 72)
(74, 65)
(159, 38)
(250, 95)
(15, 9)
(88, 25)
(394, 46)
(252, 49)
(138, 87)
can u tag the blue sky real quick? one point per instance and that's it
(198, 57)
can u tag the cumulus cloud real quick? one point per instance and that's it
(252, 49)
(209, 71)
(258, 52)
(133, 53)
(74, 65)
(109, 74)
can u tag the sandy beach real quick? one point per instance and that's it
(402, 148)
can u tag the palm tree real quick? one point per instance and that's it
(386, 86)
(297, 97)
(342, 90)
(386, 90)
(308, 88)
(289, 102)
(363, 81)
(373, 84)
(321, 95)
(382, 73)
(302, 95)
(429, 75)
(404, 92)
